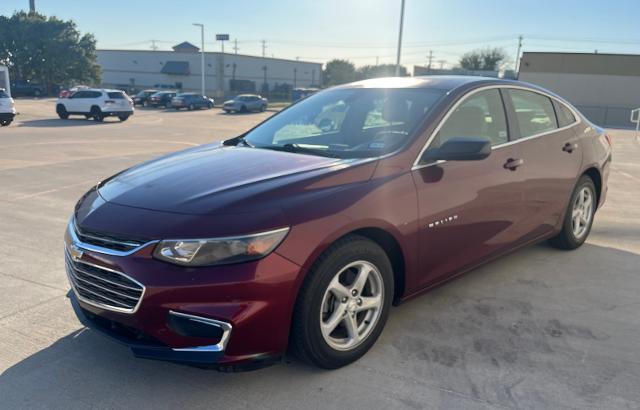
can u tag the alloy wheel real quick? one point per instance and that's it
(582, 212)
(351, 305)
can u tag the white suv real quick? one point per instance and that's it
(7, 108)
(96, 104)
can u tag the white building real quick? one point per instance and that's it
(605, 87)
(225, 74)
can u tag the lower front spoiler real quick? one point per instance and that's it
(146, 349)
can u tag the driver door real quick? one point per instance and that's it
(469, 210)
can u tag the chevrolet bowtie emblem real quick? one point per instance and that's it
(75, 252)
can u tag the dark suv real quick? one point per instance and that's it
(301, 237)
(21, 88)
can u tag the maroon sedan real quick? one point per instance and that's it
(301, 237)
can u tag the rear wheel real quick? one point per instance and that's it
(96, 113)
(123, 117)
(62, 112)
(263, 108)
(4, 123)
(343, 304)
(578, 216)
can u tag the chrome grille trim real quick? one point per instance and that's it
(75, 239)
(104, 292)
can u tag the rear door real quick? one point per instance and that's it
(552, 157)
(469, 210)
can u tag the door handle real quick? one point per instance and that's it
(569, 147)
(512, 163)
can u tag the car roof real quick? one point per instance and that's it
(442, 82)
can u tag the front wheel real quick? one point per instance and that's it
(123, 117)
(578, 216)
(62, 112)
(4, 123)
(343, 304)
(97, 114)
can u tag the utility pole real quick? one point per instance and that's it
(235, 45)
(201, 53)
(264, 48)
(154, 47)
(400, 38)
(430, 60)
(32, 6)
(377, 60)
(442, 62)
(295, 77)
(517, 64)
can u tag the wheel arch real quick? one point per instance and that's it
(595, 175)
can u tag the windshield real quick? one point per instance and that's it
(347, 123)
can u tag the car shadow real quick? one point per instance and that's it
(71, 122)
(540, 328)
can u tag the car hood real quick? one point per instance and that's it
(214, 178)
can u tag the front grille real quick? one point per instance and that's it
(103, 287)
(108, 241)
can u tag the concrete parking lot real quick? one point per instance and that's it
(540, 328)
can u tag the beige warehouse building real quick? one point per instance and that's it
(225, 74)
(605, 87)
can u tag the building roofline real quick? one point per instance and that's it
(209, 53)
(580, 53)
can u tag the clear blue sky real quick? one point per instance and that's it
(359, 30)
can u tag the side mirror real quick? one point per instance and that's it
(460, 149)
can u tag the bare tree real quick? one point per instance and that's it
(484, 59)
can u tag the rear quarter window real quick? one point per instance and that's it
(3, 94)
(565, 115)
(116, 95)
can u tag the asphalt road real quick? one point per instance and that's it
(537, 329)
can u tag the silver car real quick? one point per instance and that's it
(245, 103)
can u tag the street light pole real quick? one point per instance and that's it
(400, 38)
(201, 53)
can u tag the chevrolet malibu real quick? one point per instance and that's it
(297, 237)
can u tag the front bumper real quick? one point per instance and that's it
(7, 115)
(146, 347)
(247, 307)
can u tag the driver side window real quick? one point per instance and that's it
(480, 115)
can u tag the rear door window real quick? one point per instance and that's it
(534, 112)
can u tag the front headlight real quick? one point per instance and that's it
(219, 251)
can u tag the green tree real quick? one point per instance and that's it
(338, 72)
(47, 50)
(483, 59)
(377, 71)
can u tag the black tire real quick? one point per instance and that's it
(5, 123)
(97, 114)
(210, 106)
(123, 118)
(62, 112)
(263, 108)
(307, 341)
(566, 239)
(243, 109)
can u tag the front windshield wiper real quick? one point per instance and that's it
(296, 148)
